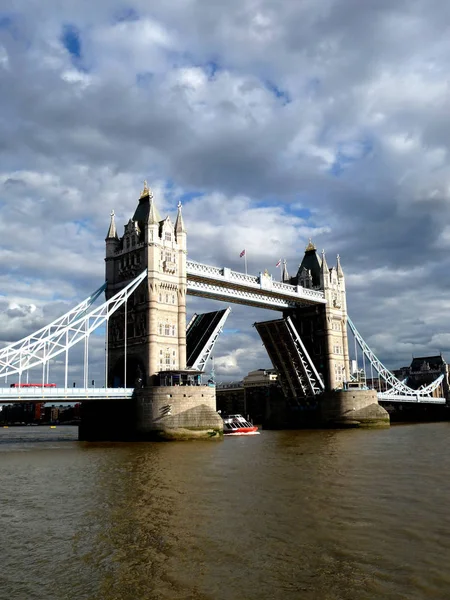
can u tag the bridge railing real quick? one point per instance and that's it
(259, 282)
(12, 395)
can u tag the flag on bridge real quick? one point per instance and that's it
(278, 263)
(242, 253)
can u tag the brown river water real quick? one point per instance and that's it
(320, 515)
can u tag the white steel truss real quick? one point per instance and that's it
(39, 348)
(69, 317)
(261, 291)
(315, 383)
(200, 362)
(297, 374)
(398, 390)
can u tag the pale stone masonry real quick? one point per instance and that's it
(156, 315)
(147, 338)
(324, 329)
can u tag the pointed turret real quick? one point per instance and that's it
(284, 273)
(112, 231)
(153, 214)
(146, 211)
(179, 223)
(112, 245)
(310, 262)
(339, 270)
(324, 272)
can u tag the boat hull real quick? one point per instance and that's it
(242, 431)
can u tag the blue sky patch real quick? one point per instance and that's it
(71, 40)
(277, 92)
(348, 153)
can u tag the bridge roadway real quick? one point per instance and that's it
(10, 395)
(221, 283)
(23, 395)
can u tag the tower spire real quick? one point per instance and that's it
(324, 266)
(179, 223)
(112, 231)
(146, 191)
(324, 272)
(339, 270)
(284, 273)
(146, 211)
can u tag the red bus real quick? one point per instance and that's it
(33, 385)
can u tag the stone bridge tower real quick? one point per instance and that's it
(323, 329)
(146, 346)
(152, 336)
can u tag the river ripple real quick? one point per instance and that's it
(321, 515)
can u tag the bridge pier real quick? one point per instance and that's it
(352, 408)
(154, 413)
(177, 413)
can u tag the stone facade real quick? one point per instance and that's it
(147, 336)
(153, 332)
(353, 408)
(323, 328)
(178, 413)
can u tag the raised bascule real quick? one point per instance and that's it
(155, 361)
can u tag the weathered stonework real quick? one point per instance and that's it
(352, 408)
(178, 413)
(147, 337)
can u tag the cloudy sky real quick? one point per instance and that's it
(272, 121)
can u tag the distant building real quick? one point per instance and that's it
(250, 396)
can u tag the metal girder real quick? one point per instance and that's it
(315, 380)
(397, 388)
(24, 395)
(419, 399)
(45, 332)
(200, 362)
(38, 349)
(298, 374)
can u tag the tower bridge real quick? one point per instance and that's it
(154, 360)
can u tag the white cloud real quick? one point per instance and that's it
(319, 119)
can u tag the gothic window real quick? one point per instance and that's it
(160, 329)
(173, 298)
(167, 329)
(168, 359)
(167, 298)
(173, 329)
(160, 297)
(128, 242)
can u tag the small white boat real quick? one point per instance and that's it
(237, 425)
